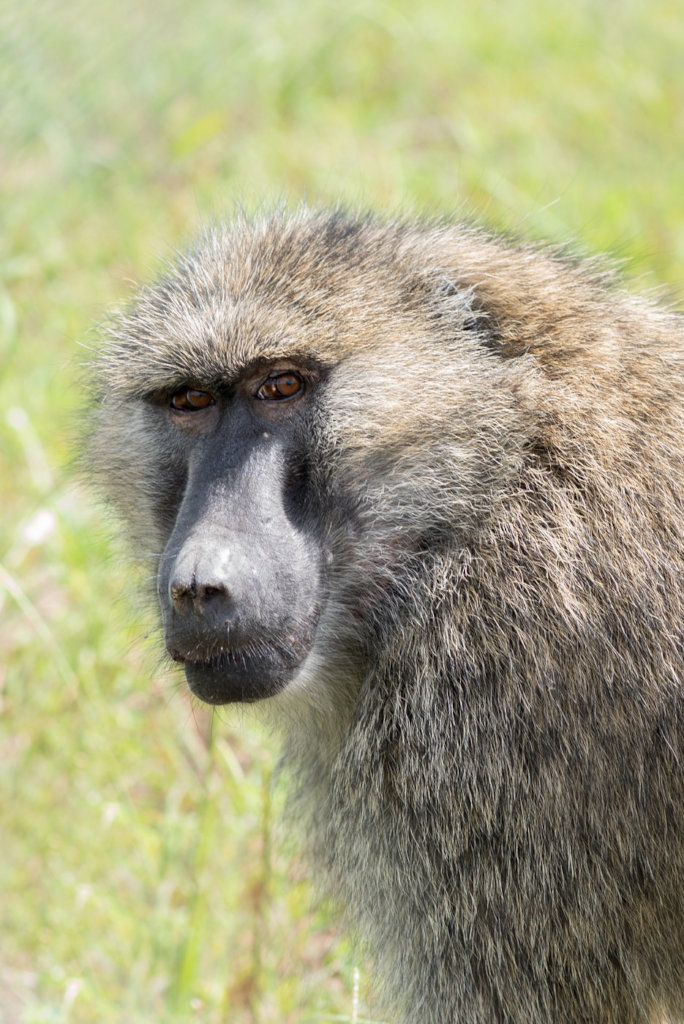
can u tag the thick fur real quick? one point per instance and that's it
(487, 739)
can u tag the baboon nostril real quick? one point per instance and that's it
(184, 595)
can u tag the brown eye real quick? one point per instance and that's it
(190, 400)
(280, 386)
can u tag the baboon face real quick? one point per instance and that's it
(239, 581)
(273, 420)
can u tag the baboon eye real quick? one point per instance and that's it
(280, 386)
(190, 400)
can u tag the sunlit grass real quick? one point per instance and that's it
(145, 874)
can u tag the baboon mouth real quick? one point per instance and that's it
(237, 676)
(183, 658)
(255, 666)
(177, 656)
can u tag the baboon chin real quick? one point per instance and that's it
(420, 491)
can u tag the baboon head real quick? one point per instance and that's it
(273, 418)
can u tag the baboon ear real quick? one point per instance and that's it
(457, 307)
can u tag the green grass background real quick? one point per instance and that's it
(144, 871)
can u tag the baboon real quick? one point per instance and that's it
(420, 491)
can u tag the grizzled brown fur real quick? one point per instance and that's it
(486, 738)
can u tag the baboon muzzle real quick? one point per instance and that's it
(238, 581)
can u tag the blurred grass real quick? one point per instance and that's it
(141, 879)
